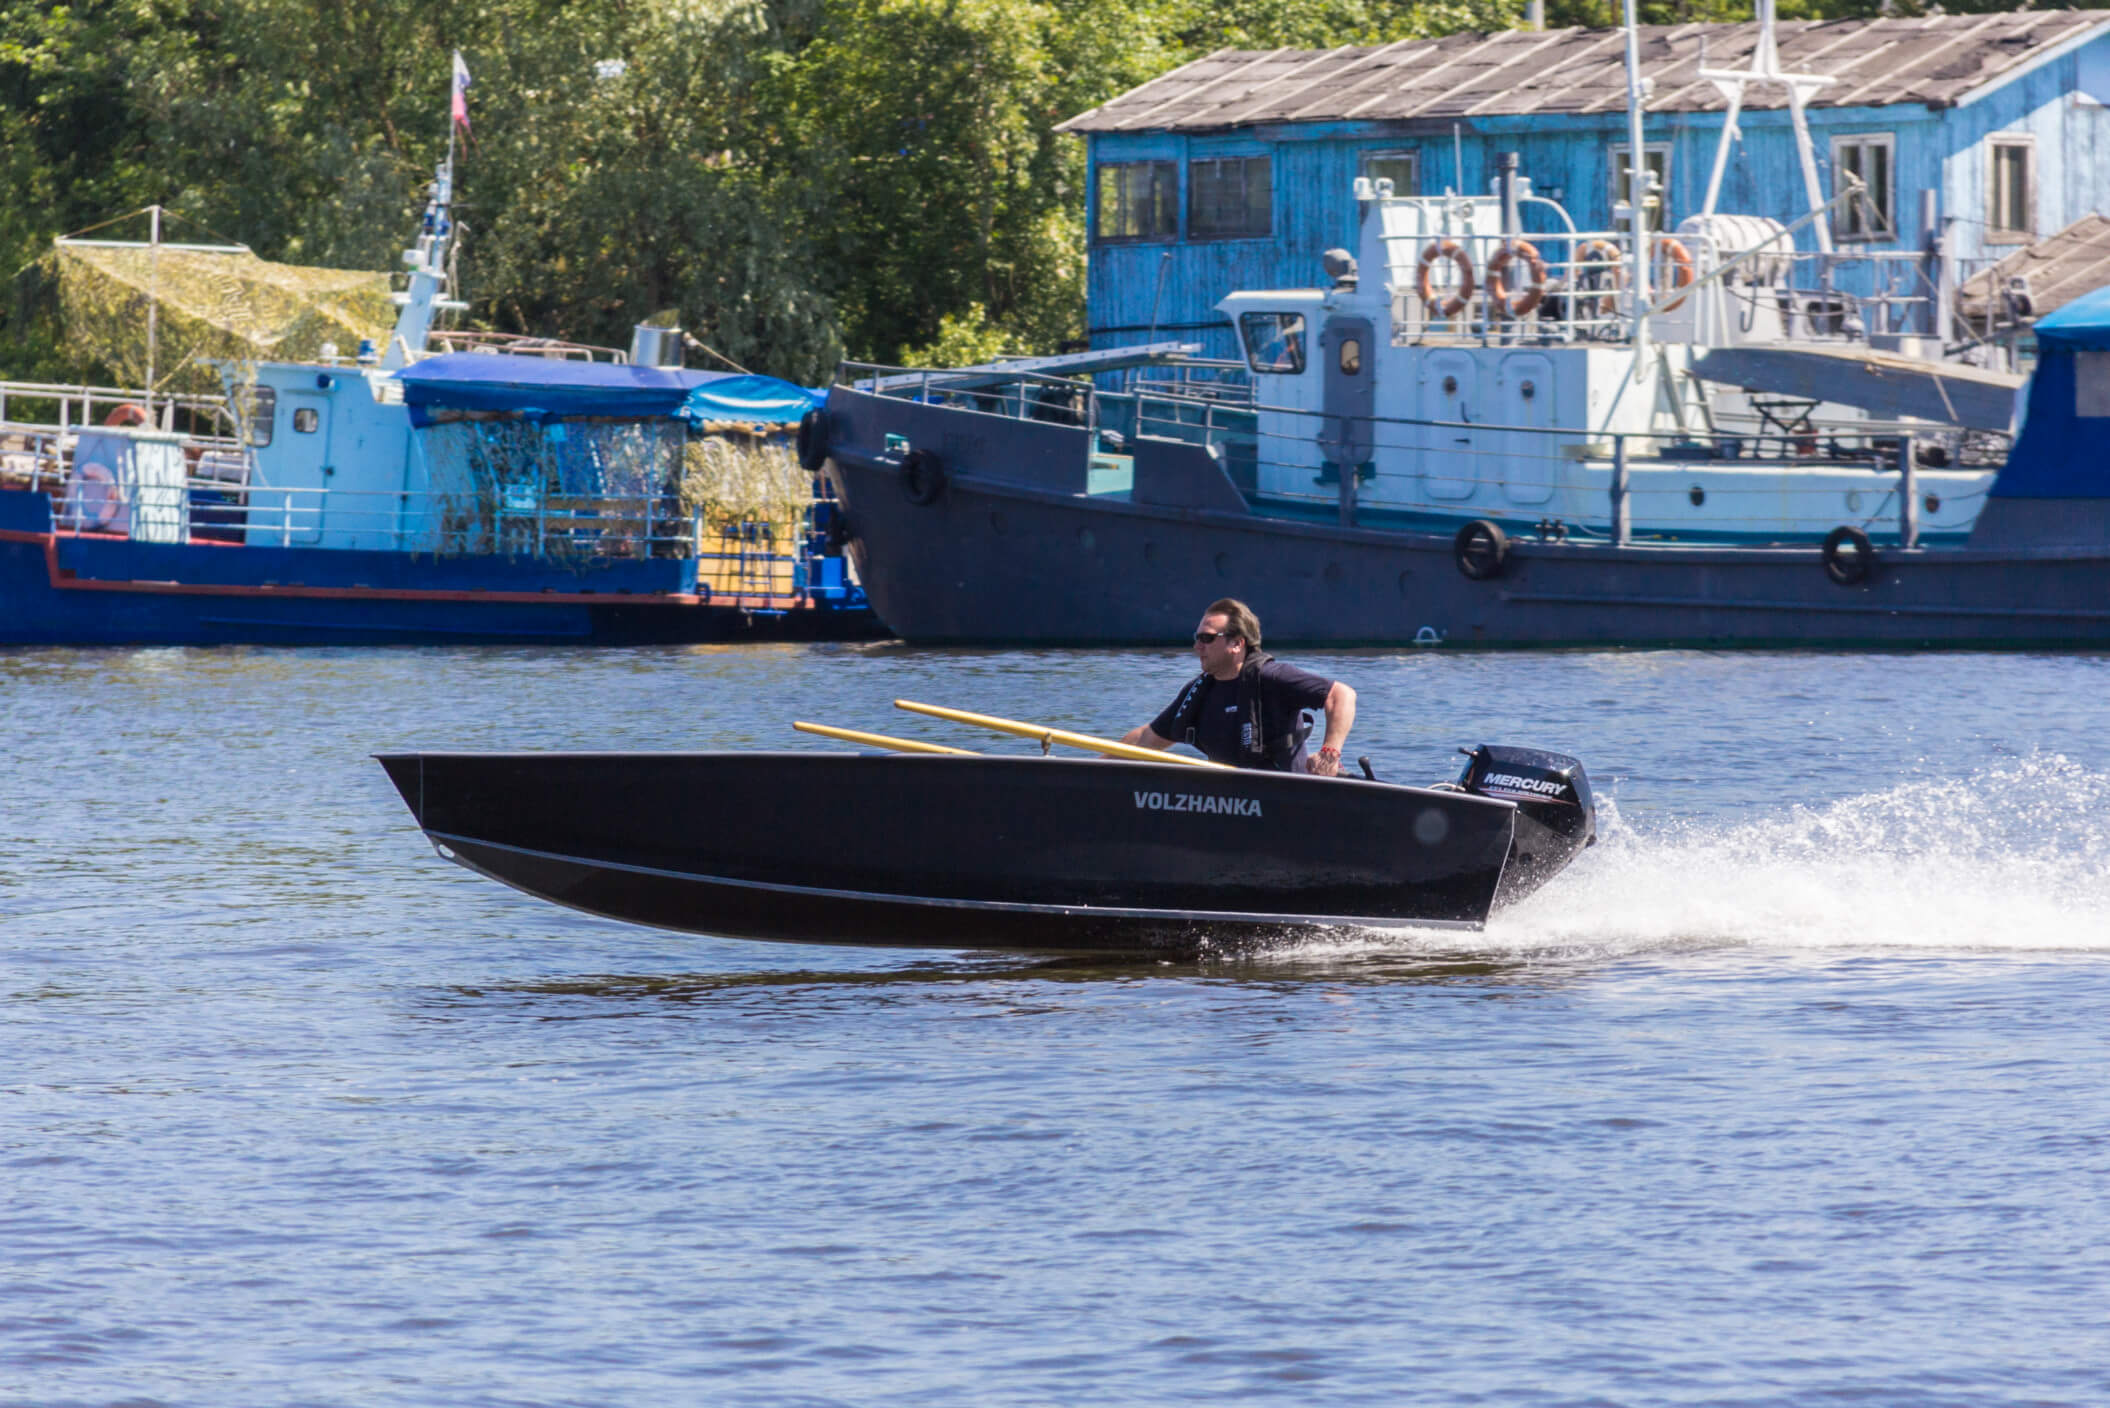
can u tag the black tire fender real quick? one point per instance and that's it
(813, 440)
(922, 477)
(1848, 568)
(1482, 550)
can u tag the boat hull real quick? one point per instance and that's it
(1008, 524)
(961, 851)
(61, 588)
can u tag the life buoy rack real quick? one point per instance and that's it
(1482, 550)
(922, 477)
(1602, 257)
(1526, 298)
(93, 499)
(1849, 558)
(1681, 271)
(813, 440)
(1425, 280)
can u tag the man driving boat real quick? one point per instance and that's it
(1246, 708)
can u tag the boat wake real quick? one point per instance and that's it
(2016, 857)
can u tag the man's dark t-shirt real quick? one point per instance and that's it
(1285, 689)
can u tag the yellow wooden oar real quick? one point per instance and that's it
(1046, 736)
(878, 740)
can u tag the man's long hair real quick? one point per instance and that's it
(1239, 621)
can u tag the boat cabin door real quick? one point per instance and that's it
(1350, 399)
(286, 504)
(1524, 400)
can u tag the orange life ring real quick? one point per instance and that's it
(1425, 285)
(1526, 298)
(130, 414)
(1680, 266)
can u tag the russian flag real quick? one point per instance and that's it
(461, 92)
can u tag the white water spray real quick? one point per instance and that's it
(2014, 857)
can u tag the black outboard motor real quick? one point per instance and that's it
(1556, 817)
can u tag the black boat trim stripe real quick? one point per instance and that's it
(1008, 906)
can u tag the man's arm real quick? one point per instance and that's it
(1141, 737)
(1340, 717)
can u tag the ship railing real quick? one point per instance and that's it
(1221, 380)
(1023, 395)
(35, 456)
(1526, 473)
(1568, 285)
(1573, 286)
(518, 520)
(35, 407)
(32, 457)
(445, 340)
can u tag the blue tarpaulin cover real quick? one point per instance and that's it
(2059, 454)
(2083, 323)
(545, 388)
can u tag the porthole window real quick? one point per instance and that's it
(1351, 356)
(1933, 502)
(1697, 495)
(1450, 386)
(1529, 390)
(305, 420)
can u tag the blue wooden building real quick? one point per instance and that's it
(1236, 171)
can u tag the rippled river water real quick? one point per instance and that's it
(1796, 1090)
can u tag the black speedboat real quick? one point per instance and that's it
(989, 851)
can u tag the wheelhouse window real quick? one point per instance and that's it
(1871, 160)
(2012, 196)
(1274, 342)
(1138, 200)
(1402, 169)
(263, 415)
(305, 420)
(1232, 198)
(1656, 195)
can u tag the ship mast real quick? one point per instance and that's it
(1637, 180)
(1801, 87)
(153, 302)
(427, 259)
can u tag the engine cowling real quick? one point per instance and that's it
(1556, 815)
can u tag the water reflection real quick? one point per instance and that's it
(1280, 970)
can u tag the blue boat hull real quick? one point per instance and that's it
(85, 589)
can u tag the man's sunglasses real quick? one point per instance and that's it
(1209, 637)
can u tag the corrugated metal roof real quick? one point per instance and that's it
(1936, 60)
(2074, 261)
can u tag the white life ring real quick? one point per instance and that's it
(93, 499)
